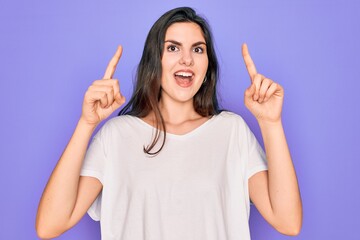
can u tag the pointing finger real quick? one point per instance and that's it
(250, 66)
(110, 70)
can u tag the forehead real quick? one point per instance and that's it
(184, 32)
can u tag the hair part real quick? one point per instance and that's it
(147, 90)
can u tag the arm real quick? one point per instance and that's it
(275, 192)
(67, 195)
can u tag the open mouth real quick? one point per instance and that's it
(184, 78)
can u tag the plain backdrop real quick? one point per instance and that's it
(51, 51)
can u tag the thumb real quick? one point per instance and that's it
(250, 91)
(119, 100)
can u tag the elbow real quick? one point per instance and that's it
(293, 231)
(44, 231)
(289, 223)
(44, 236)
(290, 228)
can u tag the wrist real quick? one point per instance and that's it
(85, 125)
(270, 124)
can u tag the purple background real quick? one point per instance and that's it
(51, 51)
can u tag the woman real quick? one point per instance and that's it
(172, 165)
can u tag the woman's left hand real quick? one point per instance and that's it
(264, 97)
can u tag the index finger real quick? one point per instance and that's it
(110, 70)
(250, 66)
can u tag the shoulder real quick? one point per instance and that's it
(230, 117)
(120, 120)
(118, 124)
(233, 122)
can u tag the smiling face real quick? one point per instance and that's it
(184, 62)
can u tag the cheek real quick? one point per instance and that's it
(169, 61)
(167, 64)
(205, 65)
(202, 60)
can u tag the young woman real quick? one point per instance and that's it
(172, 165)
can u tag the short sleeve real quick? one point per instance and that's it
(256, 159)
(93, 166)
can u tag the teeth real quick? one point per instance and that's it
(184, 74)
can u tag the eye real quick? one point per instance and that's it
(172, 48)
(198, 50)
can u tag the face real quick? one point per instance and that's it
(184, 62)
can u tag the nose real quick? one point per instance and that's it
(187, 59)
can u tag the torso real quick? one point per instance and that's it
(195, 188)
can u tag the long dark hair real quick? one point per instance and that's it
(147, 90)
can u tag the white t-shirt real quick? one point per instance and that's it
(196, 188)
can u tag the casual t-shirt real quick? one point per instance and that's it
(196, 188)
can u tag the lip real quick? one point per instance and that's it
(184, 84)
(186, 71)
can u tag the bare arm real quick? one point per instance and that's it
(67, 195)
(275, 192)
(57, 211)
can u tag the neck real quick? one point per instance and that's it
(177, 112)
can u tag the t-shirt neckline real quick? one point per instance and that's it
(180, 136)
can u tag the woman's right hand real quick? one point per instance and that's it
(103, 97)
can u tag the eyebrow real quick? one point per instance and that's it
(180, 44)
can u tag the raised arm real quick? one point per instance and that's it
(275, 192)
(67, 196)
